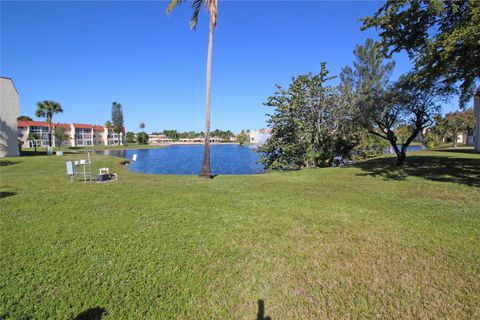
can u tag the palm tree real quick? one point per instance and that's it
(211, 6)
(108, 125)
(141, 135)
(46, 109)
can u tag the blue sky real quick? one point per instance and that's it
(86, 55)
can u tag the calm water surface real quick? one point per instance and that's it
(225, 159)
(187, 159)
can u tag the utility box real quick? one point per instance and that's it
(103, 177)
(70, 168)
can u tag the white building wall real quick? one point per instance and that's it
(9, 111)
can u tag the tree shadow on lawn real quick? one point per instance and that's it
(4, 194)
(436, 168)
(457, 150)
(4, 163)
(29, 153)
(91, 314)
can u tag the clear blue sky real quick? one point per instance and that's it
(86, 55)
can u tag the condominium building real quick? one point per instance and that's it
(201, 139)
(79, 135)
(159, 139)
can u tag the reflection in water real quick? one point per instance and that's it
(225, 159)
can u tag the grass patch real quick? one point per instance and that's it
(368, 241)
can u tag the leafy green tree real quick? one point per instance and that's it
(308, 124)
(142, 125)
(24, 118)
(117, 119)
(108, 125)
(384, 107)
(46, 109)
(34, 137)
(441, 36)
(60, 134)
(403, 133)
(242, 138)
(458, 122)
(142, 138)
(130, 137)
(211, 6)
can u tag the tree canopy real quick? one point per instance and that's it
(310, 124)
(60, 134)
(386, 109)
(117, 117)
(24, 118)
(442, 37)
(46, 109)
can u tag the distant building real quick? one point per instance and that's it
(158, 139)
(466, 137)
(9, 111)
(79, 134)
(259, 136)
(201, 139)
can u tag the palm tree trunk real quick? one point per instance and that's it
(50, 133)
(206, 170)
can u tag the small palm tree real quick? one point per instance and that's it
(211, 6)
(108, 125)
(141, 135)
(33, 136)
(46, 109)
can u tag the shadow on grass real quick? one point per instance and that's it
(455, 150)
(261, 311)
(91, 314)
(4, 163)
(443, 169)
(4, 194)
(28, 153)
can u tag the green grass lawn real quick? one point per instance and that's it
(368, 241)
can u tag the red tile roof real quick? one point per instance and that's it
(82, 126)
(98, 128)
(65, 125)
(32, 123)
(22, 124)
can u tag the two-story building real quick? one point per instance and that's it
(79, 135)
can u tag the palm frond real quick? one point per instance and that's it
(173, 4)
(196, 6)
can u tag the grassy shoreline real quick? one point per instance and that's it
(371, 240)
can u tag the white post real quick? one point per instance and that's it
(476, 110)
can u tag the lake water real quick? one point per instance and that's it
(409, 149)
(188, 159)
